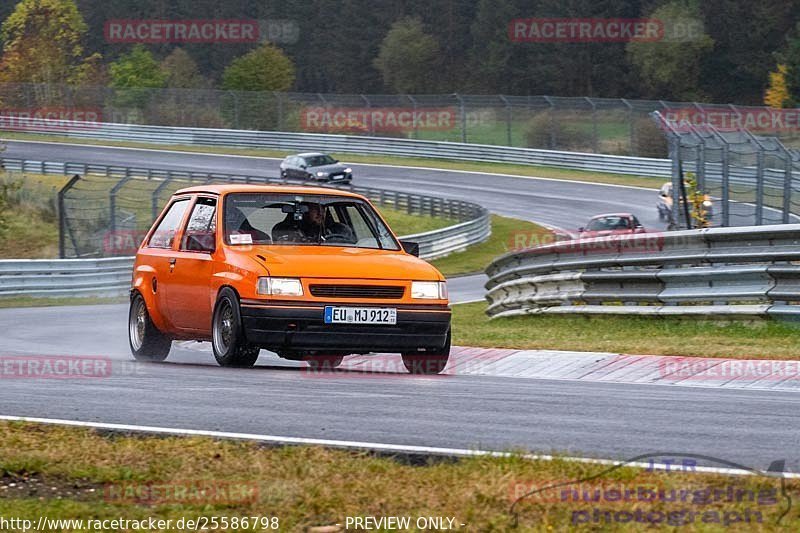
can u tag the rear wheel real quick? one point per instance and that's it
(146, 341)
(431, 362)
(227, 336)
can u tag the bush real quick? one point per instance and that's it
(648, 139)
(541, 131)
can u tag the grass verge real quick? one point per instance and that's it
(67, 473)
(757, 339)
(28, 301)
(476, 258)
(499, 168)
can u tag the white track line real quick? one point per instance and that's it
(371, 446)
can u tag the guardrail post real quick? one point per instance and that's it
(62, 217)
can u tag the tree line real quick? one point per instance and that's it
(739, 51)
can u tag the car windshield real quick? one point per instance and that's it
(316, 220)
(608, 223)
(319, 160)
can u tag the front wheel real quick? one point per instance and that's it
(227, 336)
(146, 341)
(432, 362)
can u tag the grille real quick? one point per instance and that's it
(357, 291)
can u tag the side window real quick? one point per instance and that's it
(164, 234)
(200, 231)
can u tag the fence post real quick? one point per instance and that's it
(631, 128)
(369, 106)
(414, 104)
(726, 191)
(551, 115)
(594, 124)
(62, 217)
(787, 189)
(112, 202)
(463, 115)
(279, 97)
(508, 119)
(154, 203)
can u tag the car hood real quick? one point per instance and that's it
(336, 167)
(342, 262)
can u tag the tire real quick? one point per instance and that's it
(230, 347)
(432, 362)
(323, 362)
(146, 341)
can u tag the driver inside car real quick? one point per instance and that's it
(313, 227)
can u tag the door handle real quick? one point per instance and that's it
(172, 261)
(171, 265)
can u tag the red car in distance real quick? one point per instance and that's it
(611, 224)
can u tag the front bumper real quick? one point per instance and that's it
(299, 327)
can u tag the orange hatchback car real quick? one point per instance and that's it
(312, 274)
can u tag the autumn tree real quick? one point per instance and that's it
(42, 43)
(181, 71)
(777, 94)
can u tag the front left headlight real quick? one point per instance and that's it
(279, 286)
(429, 290)
(348, 170)
(707, 203)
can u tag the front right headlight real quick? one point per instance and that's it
(322, 174)
(429, 290)
(279, 286)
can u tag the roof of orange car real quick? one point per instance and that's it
(272, 187)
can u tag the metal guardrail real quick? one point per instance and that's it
(294, 142)
(65, 277)
(718, 271)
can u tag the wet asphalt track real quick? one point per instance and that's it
(587, 419)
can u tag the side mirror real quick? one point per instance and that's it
(581, 228)
(411, 248)
(304, 166)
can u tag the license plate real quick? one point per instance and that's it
(337, 178)
(360, 315)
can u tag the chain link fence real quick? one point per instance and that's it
(106, 211)
(750, 180)
(598, 125)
